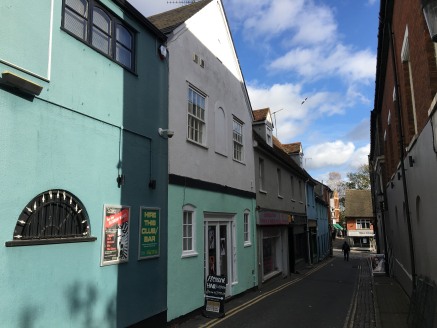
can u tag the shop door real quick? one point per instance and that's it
(218, 251)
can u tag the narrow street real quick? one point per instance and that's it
(323, 296)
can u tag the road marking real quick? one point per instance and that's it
(259, 298)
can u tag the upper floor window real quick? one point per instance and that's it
(363, 224)
(300, 191)
(54, 216)
(278, 173)
(237, 137)
(196, 116)
(261, 174)
(97, 27)
(292, 187)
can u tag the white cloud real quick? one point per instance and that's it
(329, 154)
(322, 62)
(360, 157)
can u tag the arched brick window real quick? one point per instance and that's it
(54, 216)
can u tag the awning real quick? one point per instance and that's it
(337, 226)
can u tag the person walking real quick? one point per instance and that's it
(346, 249)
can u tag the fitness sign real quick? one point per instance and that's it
(215, 292)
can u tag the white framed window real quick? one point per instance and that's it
(237, 137)
(278, 174)
(363, 224)
(188, 231)
(196, 116)
(261, 174)
(246, 228)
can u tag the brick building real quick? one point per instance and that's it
(403, 156)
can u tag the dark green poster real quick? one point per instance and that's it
(149, 233)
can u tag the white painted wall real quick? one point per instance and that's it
(206, 35)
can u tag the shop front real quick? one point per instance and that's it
(362, 239)
(297, 242)
(273, 244)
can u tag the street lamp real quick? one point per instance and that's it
(430, 12)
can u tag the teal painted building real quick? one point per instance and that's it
(84, 173)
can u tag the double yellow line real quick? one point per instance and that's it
(259, 298)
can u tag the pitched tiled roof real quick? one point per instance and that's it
(260, 114)
(169, 20)
(358, 203)
(292, 148)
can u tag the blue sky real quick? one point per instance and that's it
(322, 50)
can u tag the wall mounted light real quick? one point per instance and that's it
(429, 8)
(166, 133)
(21, 83)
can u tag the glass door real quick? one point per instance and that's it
(218, 250)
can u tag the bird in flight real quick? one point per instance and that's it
(304, 100)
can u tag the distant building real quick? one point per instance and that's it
(359, 218)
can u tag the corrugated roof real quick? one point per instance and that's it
(170, 20)
(358, 203)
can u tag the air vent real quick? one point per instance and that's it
(195, 58)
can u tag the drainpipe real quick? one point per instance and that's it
(401, 156)
(308, 226)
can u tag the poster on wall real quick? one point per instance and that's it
(149, 233)
(115, 236)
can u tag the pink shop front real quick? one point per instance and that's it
(272, 229)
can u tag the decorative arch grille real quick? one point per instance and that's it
(52, 214)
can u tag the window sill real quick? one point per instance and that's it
(31, 242)
(240, 162)
(247, 244)
(189, 254)
(263, 191)
(280, 197)
(197, 143)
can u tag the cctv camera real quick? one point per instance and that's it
(170, 133)
(165, 133)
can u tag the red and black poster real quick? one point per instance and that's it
(115, 237)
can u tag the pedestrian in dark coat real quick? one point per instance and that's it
(346, 249)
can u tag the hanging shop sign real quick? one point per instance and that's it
(115, 236)
(149, 233)
(215, 292)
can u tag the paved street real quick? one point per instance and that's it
(326, 295)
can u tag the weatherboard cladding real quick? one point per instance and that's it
(170, 20)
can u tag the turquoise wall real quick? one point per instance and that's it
(92, 121)
(186, 275)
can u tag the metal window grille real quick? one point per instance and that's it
(50, 215)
